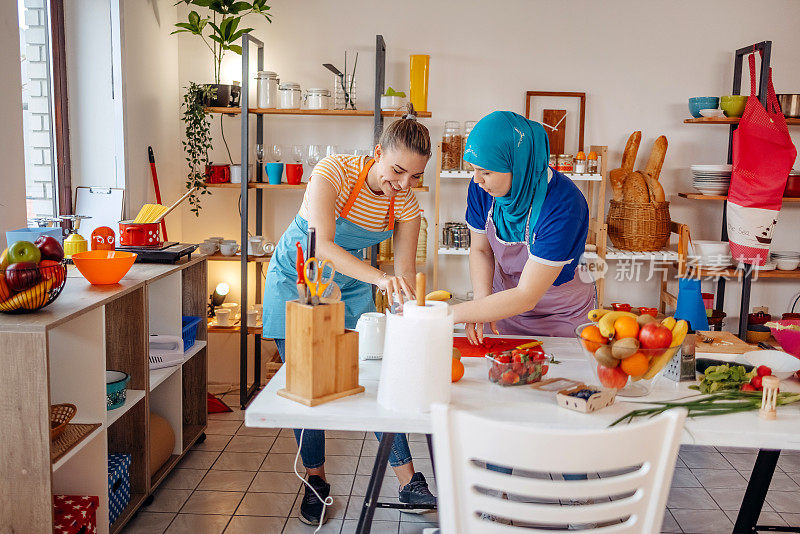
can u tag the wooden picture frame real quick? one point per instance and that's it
(556, 97)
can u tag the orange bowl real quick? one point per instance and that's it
(102, 267)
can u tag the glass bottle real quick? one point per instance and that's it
(468, 125)
(451, 146)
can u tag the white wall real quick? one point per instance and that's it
(12, 180)
(637, 61)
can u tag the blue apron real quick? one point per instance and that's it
(280, 284)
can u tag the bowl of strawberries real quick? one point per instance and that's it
(627, 351)
(517, 367)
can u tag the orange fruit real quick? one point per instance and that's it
(626, 327)
(592, 338)
(457, 370)
(635, 365)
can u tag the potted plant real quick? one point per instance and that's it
(198, 140)
(219, 30)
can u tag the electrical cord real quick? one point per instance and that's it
(222, 133)
(325, 502)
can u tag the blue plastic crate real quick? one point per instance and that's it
(31, 234)
(189, 332)
(119, 484)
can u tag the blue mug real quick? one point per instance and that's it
(274, 173)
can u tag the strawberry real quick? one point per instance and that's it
(509, 377)
(494, 373)
(519, 368)
(504, 357)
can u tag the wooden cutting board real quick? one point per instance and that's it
(724, 343)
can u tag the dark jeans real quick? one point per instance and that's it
(312, 450)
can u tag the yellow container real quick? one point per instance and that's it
(419, 81)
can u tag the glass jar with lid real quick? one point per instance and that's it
(267, 89)
(579, 165)
(451, 146)
(468, 126)
(592, 163)
(317, 98)
(290, 96)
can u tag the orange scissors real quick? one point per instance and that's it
(316, 278)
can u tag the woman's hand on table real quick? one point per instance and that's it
(475, 331)
(395, 285)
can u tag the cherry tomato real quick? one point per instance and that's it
(748, 387)
(756, 382)
(763, 370)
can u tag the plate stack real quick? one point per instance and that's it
(711, 179)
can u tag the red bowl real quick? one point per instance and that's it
(792, 186)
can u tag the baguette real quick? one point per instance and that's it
(617, 179)
(656, 161)
(635, 189)
(631, 149)
(656, 191)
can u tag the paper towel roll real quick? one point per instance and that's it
(417, 358)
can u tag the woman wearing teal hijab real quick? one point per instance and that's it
(528, 226)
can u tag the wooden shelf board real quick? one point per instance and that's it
(421, 189)
(131, 398)
(233, 329)
(194, 432)
(584, 177)
(238, 257)
(727, 120)
(265, 185)
(734, 273)
(157, 376)
(197, 347)
(444, 251)
(133, 506)
(456, 174)
(698, 196)
(78, 446)
(318, 112)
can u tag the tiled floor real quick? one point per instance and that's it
(240, 480)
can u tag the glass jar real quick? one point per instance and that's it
(579, 165)
(340, 99)
(267, 89)
(317, 98)
(553, 161)
(290, 96)
(592, 163)
(451, 146)
(468, 126)
(564, 163)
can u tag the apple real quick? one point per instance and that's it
(52, 269)
(655, 336)
(49, 247)
(612, 377)
(5, 291)
(24, 252)
(22, 275)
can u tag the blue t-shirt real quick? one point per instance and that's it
(559, 235)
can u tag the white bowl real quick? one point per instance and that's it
(787, 265)
(391, 103)
(783, 364)
(711, 248)
(712, 113)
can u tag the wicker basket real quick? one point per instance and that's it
(60, 415)
(639, 227)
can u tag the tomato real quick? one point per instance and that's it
(748, 387)
(756, 382)
(612, 378)
(763, 370)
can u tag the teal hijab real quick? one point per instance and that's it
(504, 141)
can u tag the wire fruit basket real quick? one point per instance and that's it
(29, 287)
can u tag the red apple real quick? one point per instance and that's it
(50, 248)
(655, 336)
(612, 377)
(52, 269)
(22, 275)
(5, 291)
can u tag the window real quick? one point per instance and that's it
(41, 176)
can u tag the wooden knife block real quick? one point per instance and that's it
(321, 356)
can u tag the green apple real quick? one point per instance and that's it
(24, 252)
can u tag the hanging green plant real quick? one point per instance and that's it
(198, 140)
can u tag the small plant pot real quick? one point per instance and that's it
(223, 96)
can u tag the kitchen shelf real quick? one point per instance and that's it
(729, 120)
(265, 185)
(131, 398)
(698, 196)
(197, 347)
(323, 112)
(456, 174)
(453, 251)
(467, 175)
(82, 439)
(157, 376)
(133, 506)
(232, 329)
(238, 257)
(732, 272)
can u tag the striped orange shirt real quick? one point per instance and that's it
(370, 211)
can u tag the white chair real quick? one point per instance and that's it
(635, 463)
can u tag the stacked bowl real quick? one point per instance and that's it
(786, 260)
(712, 254)
(711, 179)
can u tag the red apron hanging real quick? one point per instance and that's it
(763, 154)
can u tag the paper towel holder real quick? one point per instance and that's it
(321, 356)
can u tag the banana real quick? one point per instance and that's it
(679, 333)
(606, 322)
(439, 294)
(659, 362)
(595, 315)
(530, 345)
(669, 322)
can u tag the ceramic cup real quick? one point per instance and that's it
(229, 249)
(253, 318)
(216, 239)
(274, 172)
(223, 316)
(208, 247)
(233, 307)
(294, 173)
(256, 246)
(371, 328)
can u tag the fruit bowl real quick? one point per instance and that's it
(517, 367)
(102, 267)
(27, 287)
(622, 364)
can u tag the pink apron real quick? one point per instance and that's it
(560, 309)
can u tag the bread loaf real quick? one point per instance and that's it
(656, 161)
(631, 149)
(635, 189)
(617, 179)
(656, 191)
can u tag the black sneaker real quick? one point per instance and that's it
(417, 492)
(311, 507)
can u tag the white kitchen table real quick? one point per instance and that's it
(530, 406)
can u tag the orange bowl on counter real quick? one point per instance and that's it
(103, 267)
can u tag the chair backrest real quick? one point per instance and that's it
(634, 463)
